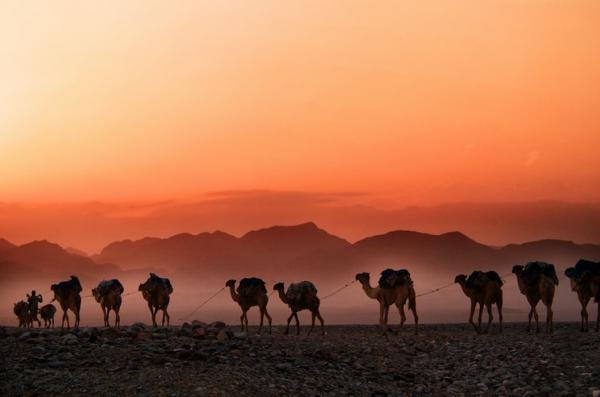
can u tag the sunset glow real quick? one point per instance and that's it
(424, 104)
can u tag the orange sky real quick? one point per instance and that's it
(412, 102)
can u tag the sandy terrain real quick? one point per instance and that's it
(350, 360)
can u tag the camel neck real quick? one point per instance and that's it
(464, 288)
(234, 294)
(282, 296)
(370, 291)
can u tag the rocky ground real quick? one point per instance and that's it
(201, 359)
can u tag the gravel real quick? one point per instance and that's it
(214, 359)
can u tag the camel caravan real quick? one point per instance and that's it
(536, 280)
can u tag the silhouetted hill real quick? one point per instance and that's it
(451, 250)
(306, 251)
(5, 245)
(550, 251)
(292, 252)
(76, 251)
(264, 249)
(48, 258)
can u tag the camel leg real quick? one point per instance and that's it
(416, 317)
(242, 321)
(153, 314)
(530, 317)
(168, 318)
(386, 311)
(584, 317)
(473, 304)
(117, 319)
(104, 315)
(381, 314)
(490, 317)
(479, 318)
(162, 324)
(549, 322)
(287, 329)
(402, 315)
(323, 322)
(499, 306)
(312, 324)
(297, 323)
(262, 319)
(246, 321)
(537, 323)
(65, 318)
(270, 320)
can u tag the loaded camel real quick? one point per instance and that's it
(32, 301)
(394, 287)
(47, 313)
(538, 281)
(300, 296)
(585, 280)
(156, 291)
(67, 295)
(250, 292)
(485, 289)
(21, 310)
(108, 295)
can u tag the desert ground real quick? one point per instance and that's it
(215, 359)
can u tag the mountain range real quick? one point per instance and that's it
(291, 252)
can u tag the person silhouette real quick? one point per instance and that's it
(32, 301)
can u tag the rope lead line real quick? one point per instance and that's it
(337, 291)
(203, 303)
(433, 291)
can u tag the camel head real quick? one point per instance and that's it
(230, 283)
(278, 287)
(96, 294)
(460, 279)
(363, 277)
(517, 269)
(573, 276)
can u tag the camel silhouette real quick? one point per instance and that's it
(301, 296)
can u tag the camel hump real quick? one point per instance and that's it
(298, 291)
(113, 285)
(474, 280)
(64, 288)
(492, 275)
(584, 266)
(534, 270)
(391, 278)
(155, 281)
(250, 285)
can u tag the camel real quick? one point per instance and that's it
(156, 291)
(585, 280)
(67, 295)
(251, 292)
(395, 287)
(538, 281)
(298, 297)
(21, 310)
(47, 313)
(485, 289)
(108, 295)
(32, 301)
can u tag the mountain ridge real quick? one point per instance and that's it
(302, 250)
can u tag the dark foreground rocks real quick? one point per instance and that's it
(213, 359)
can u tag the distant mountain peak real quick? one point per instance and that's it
(5, 244)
